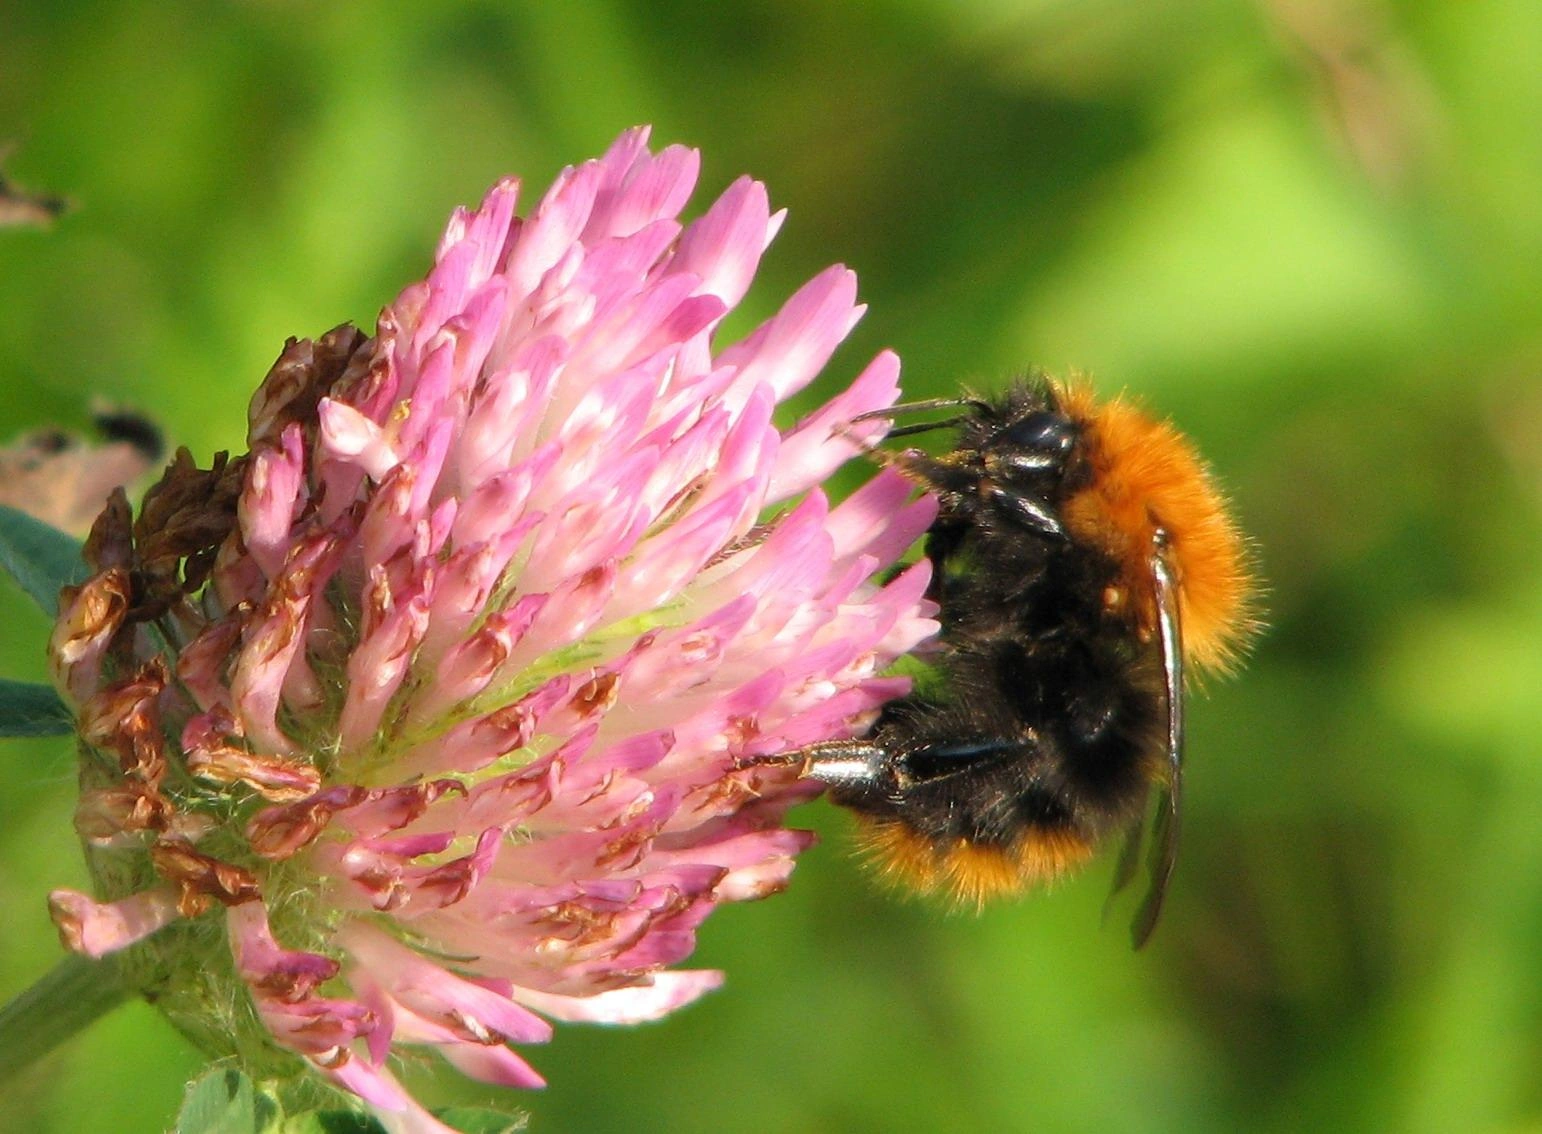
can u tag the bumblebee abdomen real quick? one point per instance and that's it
(1036, 757)
(968, 873)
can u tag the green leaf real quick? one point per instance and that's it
(39, 557)
(468, 1120)
(224, 1101)
(332, 1122)
(32, 710)
(480, 1120)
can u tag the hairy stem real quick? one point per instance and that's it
(75, 993)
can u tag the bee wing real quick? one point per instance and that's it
(1160, 862)
(1164, 831)
(1163, 853)
(1129, 861)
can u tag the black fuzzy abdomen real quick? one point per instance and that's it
(1053, 714)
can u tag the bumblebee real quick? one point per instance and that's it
(1083, 563)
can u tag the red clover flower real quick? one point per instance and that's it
(425, 722)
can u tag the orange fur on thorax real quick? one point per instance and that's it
(1146, 475)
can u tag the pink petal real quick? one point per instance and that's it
(663, 994)
(723, 248)
(792, 347)
(828, 438)
(96, 929)
(433, 992)
(652, 188)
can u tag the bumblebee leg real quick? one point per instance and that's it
(854, 770)
(791, 759)
(1032, 513)
(846, 764)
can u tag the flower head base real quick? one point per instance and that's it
(438, 701)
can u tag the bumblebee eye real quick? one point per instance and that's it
(1038, 442)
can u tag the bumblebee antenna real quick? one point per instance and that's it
(975, 405)
(901, 408)
(1164, 840)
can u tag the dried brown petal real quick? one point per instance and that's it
(106, 815)
(276, 833)
(596, 695)
(303, 374)
(202, 878)
(90, 617)
(184, 520)
(271, 777)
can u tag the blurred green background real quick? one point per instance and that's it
(1309, 230)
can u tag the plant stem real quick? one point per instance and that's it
(74, 993)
